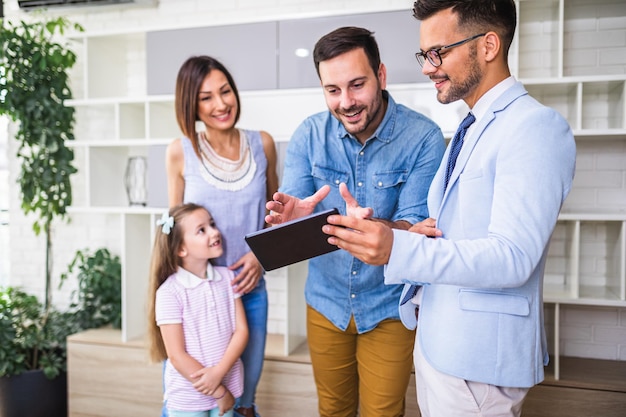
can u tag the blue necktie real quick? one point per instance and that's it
(410, 294)
(457, 143)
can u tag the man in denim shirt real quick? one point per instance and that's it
(387, 155)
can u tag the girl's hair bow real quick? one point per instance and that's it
(166, 222)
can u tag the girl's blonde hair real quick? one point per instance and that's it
(165, 262)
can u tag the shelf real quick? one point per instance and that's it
(539, 36)
(161, 120)
(603, 105)
(129, 121)
(563, 97)
(104, 143)
(594, 374)
(562, 38)
(600, 134)
(591, 105)
(96, 122)
(114, 66)
(586, 262)
(116, 210)
(589, 296)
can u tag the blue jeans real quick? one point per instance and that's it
(255, 303)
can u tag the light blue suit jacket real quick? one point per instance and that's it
(481, 315)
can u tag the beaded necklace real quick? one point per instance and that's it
(224, 173)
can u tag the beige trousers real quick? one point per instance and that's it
(443, 395)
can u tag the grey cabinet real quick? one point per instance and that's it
(270, 55)
(248, 51)
(396, 32)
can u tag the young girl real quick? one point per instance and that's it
(196, 321)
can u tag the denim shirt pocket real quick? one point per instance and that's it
(327, 175)
(387, 186)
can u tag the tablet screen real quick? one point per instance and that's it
(292, 241)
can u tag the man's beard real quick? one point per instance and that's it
(371, 113)
(462, 90)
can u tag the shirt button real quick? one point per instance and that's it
(380, 183)
(353, 295)
(353, 272)
(360, 184)
(336, 181)
(361, 153)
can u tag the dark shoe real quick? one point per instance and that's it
(246, 412)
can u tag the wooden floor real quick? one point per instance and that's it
(288, 389)
(109, 378)
(587, 388)
(553, 401)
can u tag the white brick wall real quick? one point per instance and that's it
(595, 43)
(593, 332)
(600, 181)
(595, 37)
(538, 37)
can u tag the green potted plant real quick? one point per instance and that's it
(34, 75)
(29, 339)
(33, 349)
(98, 299)
(32, 356)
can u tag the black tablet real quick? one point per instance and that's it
(292, 241)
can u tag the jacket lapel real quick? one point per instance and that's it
(470, 141)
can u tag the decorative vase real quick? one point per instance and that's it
(135, 180)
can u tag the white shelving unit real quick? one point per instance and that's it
(562, 65)
(586, 265)
(577, 273)
(116, 120)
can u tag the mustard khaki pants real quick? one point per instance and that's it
(366, 373)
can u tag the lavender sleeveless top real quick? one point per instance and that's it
(237, 212)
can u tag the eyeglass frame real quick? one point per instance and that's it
(423, 56)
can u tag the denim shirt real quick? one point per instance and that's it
(390, 173)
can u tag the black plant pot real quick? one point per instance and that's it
(31, 394)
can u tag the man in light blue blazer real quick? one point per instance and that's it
(478, 263)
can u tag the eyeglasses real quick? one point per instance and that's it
(433, 55)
